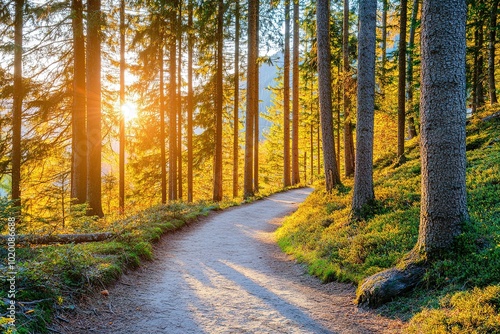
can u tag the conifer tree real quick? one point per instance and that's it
(325, 93)
(17, 103)
(94, 139)
(79, 136)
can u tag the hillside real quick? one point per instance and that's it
(322, 235)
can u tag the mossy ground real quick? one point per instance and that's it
(323, 235)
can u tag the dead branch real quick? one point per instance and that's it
(60, 238)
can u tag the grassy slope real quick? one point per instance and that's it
(321, 235)
(57, 276)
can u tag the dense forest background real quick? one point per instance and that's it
(158, 73)
(158, 81)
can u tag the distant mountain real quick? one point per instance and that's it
(267, 78)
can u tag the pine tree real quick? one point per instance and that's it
(295, 97)
(217, 195)
(236, 106)
(286, 99)
(79, 136)
(252, 77)
(17, 104)
(94, 139)
(402, 82)
(363, 177)
(348, 86)
(325, 93)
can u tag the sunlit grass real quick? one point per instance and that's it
(322, 235)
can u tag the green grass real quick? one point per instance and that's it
(323, 235)
(57, 276)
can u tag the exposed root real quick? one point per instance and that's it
(384, 286)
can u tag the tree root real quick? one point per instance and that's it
(382, 287)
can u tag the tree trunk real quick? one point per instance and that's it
(402, 81)
(179, 103)
(295, 97)
(444, 202)
(491, 53)
(256, 108)
(121, 186)
(94, 140)
(217, 196)
(286, 99)
(236, 107)
(163, 160)
(443, 113)
(325, 93)
(79, 127)
(480, 67)
(477, 84)
(385, 9)
(172, 159)
(363, 177)
(17, 105)
(339, 103)
(412, 131)
(248, 190)
(190, 105)
(348, 84)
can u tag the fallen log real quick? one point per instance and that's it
(59, 238)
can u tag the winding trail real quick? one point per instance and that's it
(226, 274)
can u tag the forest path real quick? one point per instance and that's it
(226, 274)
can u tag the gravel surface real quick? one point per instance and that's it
(225, 274)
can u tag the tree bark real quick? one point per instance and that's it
(286, 99)
(477, 84)
(443, 114)
(325, 93)
(256, 108)
(94, 138)
(163, 160)
(79, 127)
(385, 9)
(295, 97)
(236, 107)
(248, 190)
(121, 186)
(179, 103)
(491, 53)
(17, 104)
(402, 81)
(412, 131)
(348, 84)
(190, 104)
(217, 195)
(172, 161)
(363, 177)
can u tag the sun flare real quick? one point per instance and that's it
(129, 111)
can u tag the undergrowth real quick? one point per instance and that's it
(55, 277)
(323, 235)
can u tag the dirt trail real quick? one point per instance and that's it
(227, 275)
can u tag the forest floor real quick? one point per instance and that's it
(226, 274)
